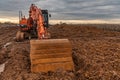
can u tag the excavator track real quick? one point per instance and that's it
(20, 36)
(50, 55)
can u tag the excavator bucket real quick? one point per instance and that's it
(51, 55)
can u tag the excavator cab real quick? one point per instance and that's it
(46, 18)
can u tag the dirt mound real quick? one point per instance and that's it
(96, 54)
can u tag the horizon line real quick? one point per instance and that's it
(98, 21)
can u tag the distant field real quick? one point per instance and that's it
(114, 27)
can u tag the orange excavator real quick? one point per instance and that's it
(45, 54)
(35, 26)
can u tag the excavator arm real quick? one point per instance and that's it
(38, 19)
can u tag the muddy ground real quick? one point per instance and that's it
(95, 52)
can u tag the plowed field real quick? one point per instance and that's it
(95, 52)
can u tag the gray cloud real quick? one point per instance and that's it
(66, 9)
(12, 7)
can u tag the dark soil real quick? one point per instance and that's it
(95, 52)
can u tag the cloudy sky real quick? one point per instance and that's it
(80, 10)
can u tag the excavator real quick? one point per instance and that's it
(35, 26)
(46, 54)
